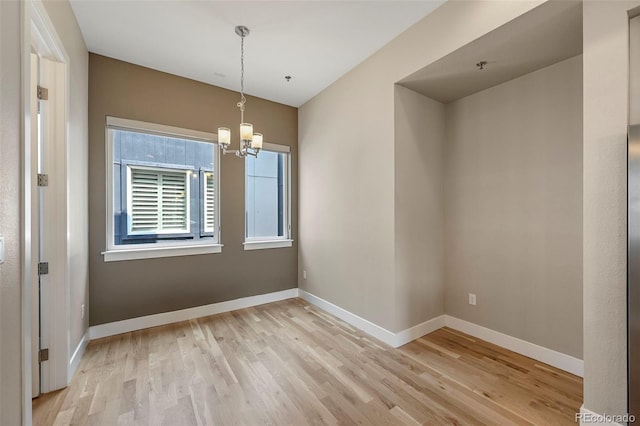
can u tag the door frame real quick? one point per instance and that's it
(38, 32)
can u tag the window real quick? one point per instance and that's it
(267, 197)
(163, 197)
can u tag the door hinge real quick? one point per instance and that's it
(43, 93)
(43, 268)
(43, 355)
(43, 179)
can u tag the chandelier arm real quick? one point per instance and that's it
(228, 151)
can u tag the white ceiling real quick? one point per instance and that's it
(547, 34)
(315, 42)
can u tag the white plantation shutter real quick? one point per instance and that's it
(158, 201)
(209, 202)
(144, 201)
(174, 202)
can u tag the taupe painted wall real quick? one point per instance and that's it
(606, 110)
(67, 28)
(347, 166)
(513, 207)
(419, 207)
(10, 216)
(121, 290)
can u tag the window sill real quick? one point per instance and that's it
(155, 252)
(269, 244)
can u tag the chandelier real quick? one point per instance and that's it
(250, 143)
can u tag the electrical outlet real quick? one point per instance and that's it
(82, 311)
(304, 275)
(472, 299)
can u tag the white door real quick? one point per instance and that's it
(48, 239)
(43, 77)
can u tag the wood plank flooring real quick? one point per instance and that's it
(289, 363)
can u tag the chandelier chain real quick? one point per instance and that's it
(243, 100)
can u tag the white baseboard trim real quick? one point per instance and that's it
(410, 334)
(390, 338)
(139, 323)
(358, 322)
(74, 362)
(540, 353)
(548, 356)
(588, 417)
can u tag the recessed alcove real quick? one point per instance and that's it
(488, 181)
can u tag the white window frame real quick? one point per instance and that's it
(168, 248)
(260, 243)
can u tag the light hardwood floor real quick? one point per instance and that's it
(289, 363)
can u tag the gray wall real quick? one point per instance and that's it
(606, 114)
(10, 217)
(513, 207)
(347, 171)
(121, 290)
(419, 207)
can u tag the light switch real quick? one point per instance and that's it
(1, 249)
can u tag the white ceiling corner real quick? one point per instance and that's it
(547, 34)
(316, 42)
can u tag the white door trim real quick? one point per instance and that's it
(25, 231)
(34, 283)
(38, 31)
